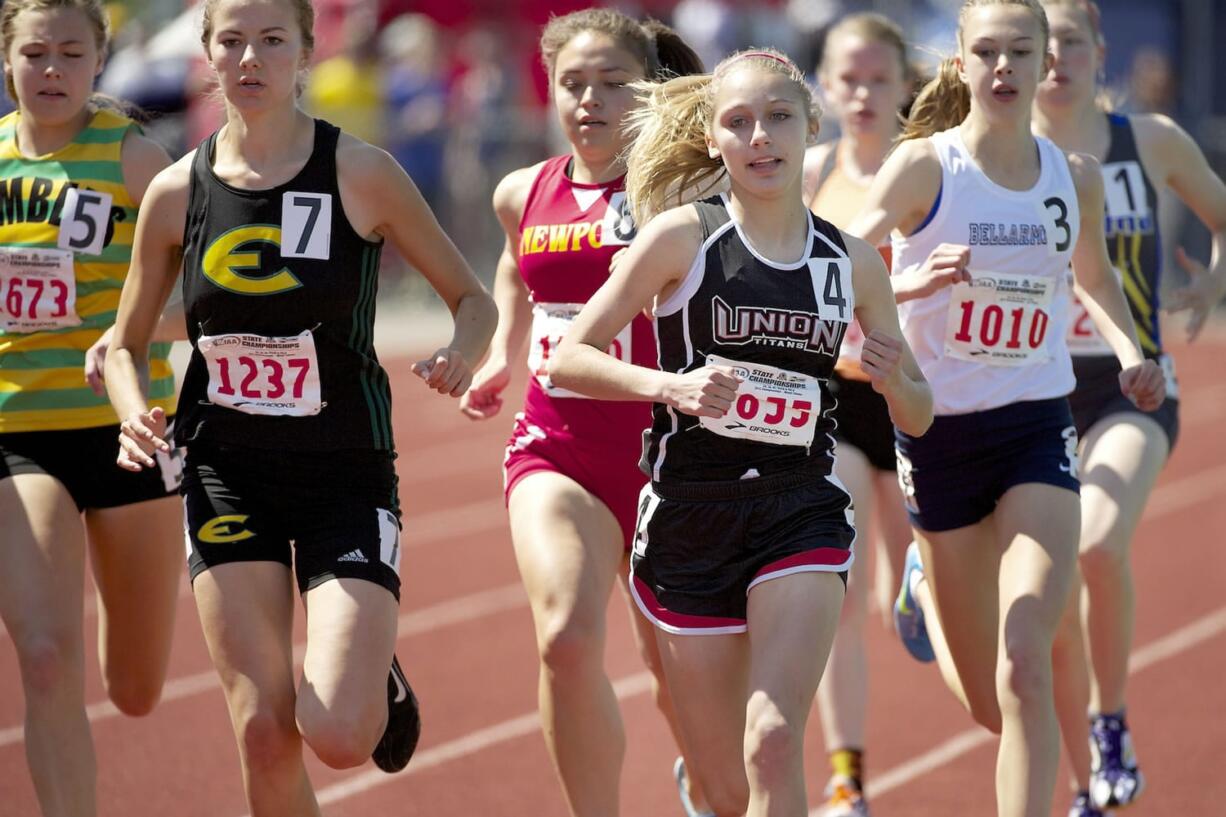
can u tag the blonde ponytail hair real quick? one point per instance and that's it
(946, 100)
(941, 104)
(668, 162)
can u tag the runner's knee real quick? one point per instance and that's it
(133, 693)
(772, 743)
(1023, 676)
(47, 664)
(570, 640)
(268, 739)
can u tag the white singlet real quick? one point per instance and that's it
(1000, 339)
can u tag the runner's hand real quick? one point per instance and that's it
(1199, 297)
(1144, 385)
(881, 360)
(95, 361)
(445, 371)
(945, 267)
(142, 434)
(484, 398)
(617, 256)
(705, 392)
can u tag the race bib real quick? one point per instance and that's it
(1167, 363)
(259, 375)
(617, 228)
(550, 323)
(772, 405)
(38, 290)
(1000, 319)
(306, 225)
(84, 221)
(1083, 337)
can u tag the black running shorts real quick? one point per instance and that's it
(83, 460)
(330, 515)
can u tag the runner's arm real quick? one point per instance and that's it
(655, 262)
(887, 357)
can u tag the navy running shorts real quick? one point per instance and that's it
(954, 475)
(700, 549)
(83, 460)
(329, 515)
(1097, 395)
(863, 420)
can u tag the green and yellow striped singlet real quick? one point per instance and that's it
(42, 382)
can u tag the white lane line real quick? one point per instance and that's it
(454, 611)
(526, 724)
(949, 750)
(420, 530)
(1155, 652)
(1185, 493)
(487, 514)
(482, 516)
(490, 514)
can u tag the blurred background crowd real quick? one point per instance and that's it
(455, 91)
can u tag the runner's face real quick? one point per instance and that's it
(53, 60)
(591, 92)
(1072, 78)
(256, 49)
(760, 130)
(863, 81)
(1002, 59)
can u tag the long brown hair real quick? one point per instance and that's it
(945, 101)
(661, 50)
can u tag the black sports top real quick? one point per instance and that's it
(780, 327)
(279, 293)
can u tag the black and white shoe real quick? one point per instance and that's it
(403, 728)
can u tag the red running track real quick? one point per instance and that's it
(466, 643)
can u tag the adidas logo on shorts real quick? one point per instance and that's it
(353, 556)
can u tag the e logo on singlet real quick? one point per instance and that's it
(221, 530)
(232, 254)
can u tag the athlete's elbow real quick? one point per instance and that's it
(917, 418)
(561, 364)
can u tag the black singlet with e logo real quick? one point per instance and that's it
(780, 327)
(279, 293)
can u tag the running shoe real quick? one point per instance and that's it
(1115, 780)
(908, 617)
(684, 791)
(1082, 807)
(843, 799)
(403, 728)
